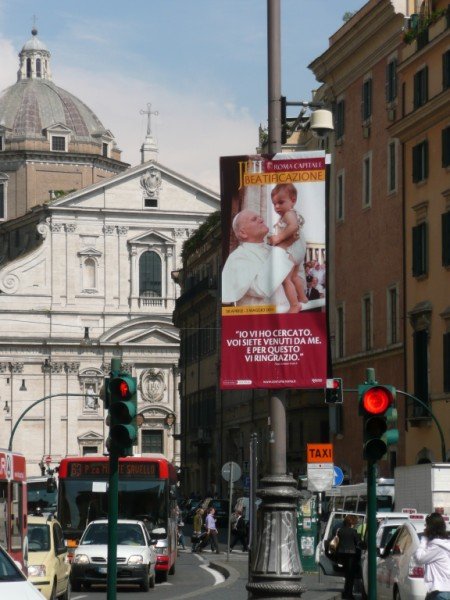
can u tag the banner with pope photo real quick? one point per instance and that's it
(274, 326)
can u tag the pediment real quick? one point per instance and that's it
(90, 435)
(105, 134)
(90, 252)
(58, 128)
(151, 238)
(145, 330)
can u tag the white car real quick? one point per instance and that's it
(136, 556)
(13, 583)
(399, 577)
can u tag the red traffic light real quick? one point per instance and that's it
(124, 389)
(376, 400)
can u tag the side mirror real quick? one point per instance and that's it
(153, 542)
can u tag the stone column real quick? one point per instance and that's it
(73, 405)
(72, 275)
(59, 267)
(110, 258)
(124, 267)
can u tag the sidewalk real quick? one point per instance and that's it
(235, 570)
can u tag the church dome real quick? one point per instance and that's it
(34, 103)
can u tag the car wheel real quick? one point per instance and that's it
(87, 586)
(172, 570)
(66, 594)
(145, 583)
(76, 585)
(152, 581)
(53, 592)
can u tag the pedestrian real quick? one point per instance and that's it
(211, 529)
(434, 553)
(239, 532)
(180, 525)
(198, 525)
(348, 553)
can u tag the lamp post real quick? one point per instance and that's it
(275, 570)
(11, 437)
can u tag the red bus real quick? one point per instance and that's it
(147, 491)
(13, 506)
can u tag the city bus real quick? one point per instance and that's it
(147, 491)
(13, 506)
(353, 498)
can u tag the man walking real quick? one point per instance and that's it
(211, 529)
(239, 531)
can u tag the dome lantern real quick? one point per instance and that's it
(34, 59)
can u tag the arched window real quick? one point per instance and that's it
(28, 68)
(89, 282)
(150, 275)
(38, 68)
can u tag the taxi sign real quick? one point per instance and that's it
(319, 453)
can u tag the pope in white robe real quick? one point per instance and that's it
(254, 272)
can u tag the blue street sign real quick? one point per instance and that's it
(338, 476)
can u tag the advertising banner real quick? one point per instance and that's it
(274, 332)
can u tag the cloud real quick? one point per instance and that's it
(10, 63)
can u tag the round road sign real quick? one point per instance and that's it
(231, 471)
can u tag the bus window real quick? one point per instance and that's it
(362, 503)
(339, 503)
(350, 503)
(16, 516)
(384, 503)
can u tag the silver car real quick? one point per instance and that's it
(136, 556)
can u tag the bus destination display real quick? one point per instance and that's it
(132, 470)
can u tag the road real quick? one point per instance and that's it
(192, 573)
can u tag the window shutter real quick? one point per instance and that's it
(446, 340)
(446, 239)
(420, 368)
(425, 85)
(425, 159)
(416, 163)
(446, 70)
(446, 147)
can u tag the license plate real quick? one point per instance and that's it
(102, 570)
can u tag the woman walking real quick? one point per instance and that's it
(434, 553)
(198, 524)
(348, 553)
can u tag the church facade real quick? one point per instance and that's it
(86, 278)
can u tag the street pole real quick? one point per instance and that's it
(275, 570)
(113, 507)
(65, 395)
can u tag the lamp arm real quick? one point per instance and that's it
(11, 437)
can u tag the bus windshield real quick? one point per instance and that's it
(83, 501)
(40, 497)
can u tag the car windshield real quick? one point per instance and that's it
(8, 570)
(38, 537)
(40, 497)
(388, 532)
(128, 534)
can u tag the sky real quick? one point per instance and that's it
(202, 64)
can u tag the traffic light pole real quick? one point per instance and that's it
(372, 529)
(113, 508)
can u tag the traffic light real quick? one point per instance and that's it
(376, 405)
(122, 413)
(333, 391)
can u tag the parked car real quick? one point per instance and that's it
(398, 574)
(48, 564)
(13, 583)
(136, 556)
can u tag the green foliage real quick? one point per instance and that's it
(196, 240)
(348, 15)
(411, 34)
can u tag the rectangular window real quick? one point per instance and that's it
(90, 450)
(367, 323)
(446, 340)
(58, 143)
(446, 239)
(446, 147)
(391, 80)
(340, 197)
(392, 166)
(151, 203)
(419, 250)
(152, 441)
(105, 150)
(421, 87)
(392, 315)
(446, 70)
(367, 181)
(340, 119)
(420, 162)
(367, 99)
(340, 332)
(2, 200)
(1, 143)
(420, 343)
